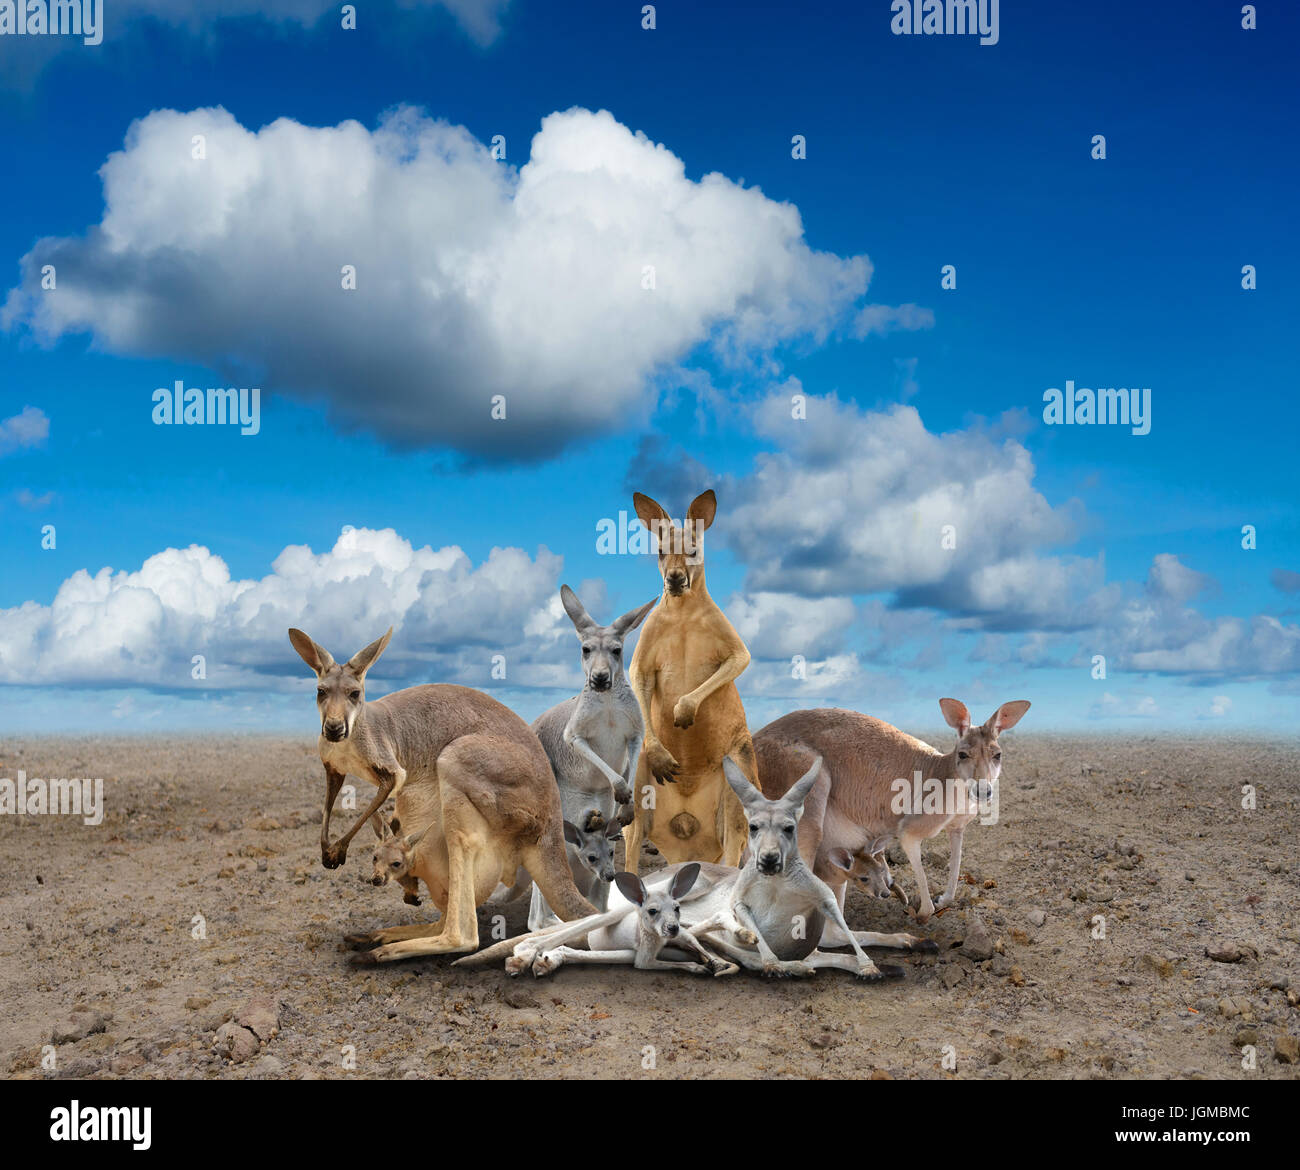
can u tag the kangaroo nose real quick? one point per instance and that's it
(677, 580)
(600, 680)
(769, 862)
(335, 729)
(672, 930)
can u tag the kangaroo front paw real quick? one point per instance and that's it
(746, 937)
(331, 856)
(623, 793)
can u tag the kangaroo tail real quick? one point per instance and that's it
(548, 862)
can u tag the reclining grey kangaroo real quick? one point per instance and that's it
(593, 741)
(768, 916)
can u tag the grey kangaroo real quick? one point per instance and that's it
(593, 741)
(468, 776)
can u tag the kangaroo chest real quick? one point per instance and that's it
(788, 922)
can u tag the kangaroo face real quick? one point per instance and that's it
(391, 861)
(602, 658)
(681, 547)
(594, 845)
(340, 687)
(340, 694)
(978, 756)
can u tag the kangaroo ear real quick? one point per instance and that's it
(411, 840)
(702, 510)
(633, 618)
(1008, 715)
(684, 880)
(739, 782)
(363, 660)
(578, 615)
(630, 886)
(651, 513)
(841, 858)
(799, 793)
(571, 834)
(954, 711)
(317, 657)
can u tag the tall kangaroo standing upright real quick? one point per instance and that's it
(684, 674)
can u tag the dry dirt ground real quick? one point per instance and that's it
(98, 946)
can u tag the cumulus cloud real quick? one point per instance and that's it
(1171, 580)
(858, 501)
(143, 627)
(782, 625)
(474, 279)
(28, 428)
(855, 502)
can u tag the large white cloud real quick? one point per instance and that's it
(473, 279)
(143, 627)
(856, 501)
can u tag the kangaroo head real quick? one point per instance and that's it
(340, 688)
(659, 914)
(392, 859)
(681, 547)
(979, 759)
(773, 824)
(602, 646)
(871, 868)
(594, 843)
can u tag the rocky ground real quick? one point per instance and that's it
(195, 934)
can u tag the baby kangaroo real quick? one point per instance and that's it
(392, 861)
(652, 939)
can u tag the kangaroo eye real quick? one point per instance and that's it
(997, 755)
(653, 913)
(616, 651)
(320, 692)
(963, 755)
(397, 865)
(354, 695)
(753, 829)
(586, 650)
(788, 830)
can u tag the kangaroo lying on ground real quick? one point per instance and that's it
(865, 757)
(684, 674)
(593, 742)
(649, 936)
(767, 917)
(459, 764)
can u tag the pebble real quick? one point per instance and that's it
(977, 945)
(1287, 1049)
(1162, 967)
(82, 1023)
(1036, 917)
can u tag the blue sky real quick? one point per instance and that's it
(817, 276)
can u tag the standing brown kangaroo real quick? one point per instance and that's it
(684, 674)
(871, 767)
(470, 779)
